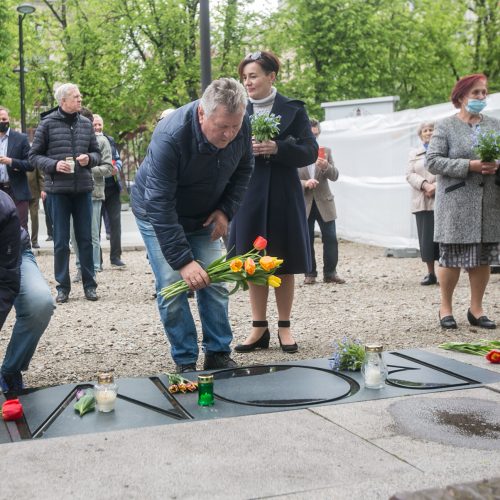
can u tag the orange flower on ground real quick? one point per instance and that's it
(260, 243)
(267, 263)
(274, 281)
(249, 266)
(236, 265)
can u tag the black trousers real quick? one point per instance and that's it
(112, 205)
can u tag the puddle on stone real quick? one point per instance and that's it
(469, 424)
(464, 422)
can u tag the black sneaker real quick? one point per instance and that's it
(218, 360)
(117, 263)
(190, 367)
(90, 294)
(62, 296)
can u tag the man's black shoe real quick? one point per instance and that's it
(62, 296)
(90, 294)
(218, 360)
(190, 367)
(117, 263)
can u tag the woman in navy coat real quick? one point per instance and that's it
(273, 206)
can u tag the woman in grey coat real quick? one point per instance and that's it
(467, 207)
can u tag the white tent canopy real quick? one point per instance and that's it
(371, 153)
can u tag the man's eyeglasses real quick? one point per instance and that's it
(254, 56)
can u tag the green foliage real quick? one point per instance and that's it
(488, 146)
(265, 126)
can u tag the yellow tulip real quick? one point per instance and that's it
(277, 261)
(267, 263)
(274, 281)
(236, 265)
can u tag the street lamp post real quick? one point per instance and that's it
(206, 70)
(23, 9)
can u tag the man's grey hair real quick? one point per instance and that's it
(225, 92)
(3, 108)
(315, 123)
(424, 125)
(63, 90)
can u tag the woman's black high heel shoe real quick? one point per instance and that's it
(262, 343)
(482, 322)
(286, 347)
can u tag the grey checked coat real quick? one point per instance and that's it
(467, 207)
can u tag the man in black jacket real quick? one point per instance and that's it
(14, 164)
(65, 149)
(21, 285)
(189, 186)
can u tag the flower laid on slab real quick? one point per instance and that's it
(479, 348)
(177, 383)
(252, 267)
(347, 355)
(493, 356)
(85, 401)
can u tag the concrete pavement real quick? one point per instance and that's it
(346, 451)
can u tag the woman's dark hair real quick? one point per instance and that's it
(268, 61)
(463, 87)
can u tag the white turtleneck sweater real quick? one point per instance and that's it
(264, 105)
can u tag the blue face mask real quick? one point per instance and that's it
(475, 106)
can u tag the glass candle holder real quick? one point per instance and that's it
(105, 392)
(374, 369)
(205, 390)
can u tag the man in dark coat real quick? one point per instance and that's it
(14, 164)
(21, 285)
(189, 186)
(65, 148)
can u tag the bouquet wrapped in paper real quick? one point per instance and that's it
(252, 267)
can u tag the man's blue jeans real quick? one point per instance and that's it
(34, 306)
(175, 313)
(96, 237)
(62, 207)
(330, 243)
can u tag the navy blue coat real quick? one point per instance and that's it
(184, 178)
(274, 202)
(18, 148)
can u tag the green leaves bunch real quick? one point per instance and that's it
(487, 146)
(478, 348)
(347, 355)
(85, 402)
(265, 126)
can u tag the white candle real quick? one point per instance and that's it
(105, 400)
(373, 377)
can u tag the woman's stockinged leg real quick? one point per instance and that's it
(284, 301)
(258, 302)
(448, 279)
(478, 279)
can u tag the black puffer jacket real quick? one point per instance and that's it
(57, 137)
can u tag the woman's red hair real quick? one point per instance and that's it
(463, 87)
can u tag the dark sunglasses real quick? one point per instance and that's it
(254, 56)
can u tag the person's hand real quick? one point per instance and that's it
(115, 170)
(64, 167)
(83, 160)
(429, 189)
(311, 183)
(194, 275)
(219, 219)
(483, 167)
(5, 160)
(43, 195)
(322, 163)
(264, 148)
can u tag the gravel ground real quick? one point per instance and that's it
(382, 301)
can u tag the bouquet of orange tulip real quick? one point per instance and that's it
(252, 267)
